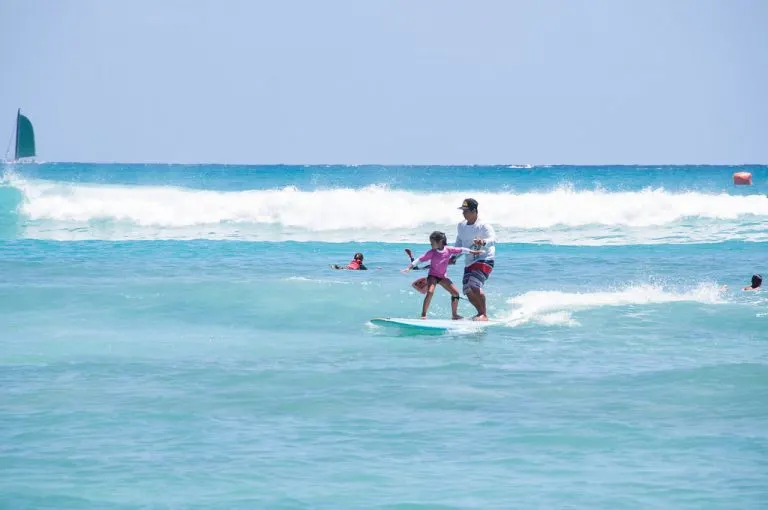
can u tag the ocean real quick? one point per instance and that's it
(172, 337)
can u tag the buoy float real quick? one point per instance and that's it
(742, 178)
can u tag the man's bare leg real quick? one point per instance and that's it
(477, 298)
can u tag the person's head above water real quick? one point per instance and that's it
(358, 256)
(757, 281)
(438, 240)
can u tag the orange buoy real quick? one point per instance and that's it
(742, 178)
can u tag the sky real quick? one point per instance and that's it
(389, 82)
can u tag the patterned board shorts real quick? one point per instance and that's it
(476, 274)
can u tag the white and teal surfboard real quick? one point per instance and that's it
(434, 324)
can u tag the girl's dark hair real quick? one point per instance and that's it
(757, 280)
(438, 237)
(358, 256)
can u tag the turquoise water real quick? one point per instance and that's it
(172, 337)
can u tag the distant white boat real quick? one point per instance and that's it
(24, 148)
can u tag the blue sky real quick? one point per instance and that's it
(419, 82)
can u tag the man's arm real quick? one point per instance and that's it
(490, 235)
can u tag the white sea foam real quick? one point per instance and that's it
(557, 308)
(55, 210)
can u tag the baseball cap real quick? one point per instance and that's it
(469, 204)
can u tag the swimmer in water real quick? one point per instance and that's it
(757, 281)
(355, 265)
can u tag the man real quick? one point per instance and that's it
(473, 233)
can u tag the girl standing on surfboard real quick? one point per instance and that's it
(439, 256)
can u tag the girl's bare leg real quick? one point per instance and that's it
(427, 299)
(450, 287)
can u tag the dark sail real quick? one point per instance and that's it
(25, 137)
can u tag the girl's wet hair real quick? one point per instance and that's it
(757, 280)
(358, 256)
(438, 236)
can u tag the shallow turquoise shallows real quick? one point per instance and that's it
(172, 337)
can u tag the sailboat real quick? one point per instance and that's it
(25, 140)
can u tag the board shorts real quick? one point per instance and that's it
(476, 274)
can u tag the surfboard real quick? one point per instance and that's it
(434, 324)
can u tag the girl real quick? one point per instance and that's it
(439, 256)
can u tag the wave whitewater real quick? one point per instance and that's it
(557, 308)
(59, 210)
